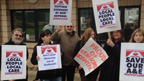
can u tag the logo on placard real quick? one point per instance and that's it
(61, 2)
(49, 50)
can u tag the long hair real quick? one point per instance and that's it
(87, 34)
(44, 33)
(133, 34)
(122, 36)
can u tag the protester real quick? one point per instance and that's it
(67, 40)
(17, 39)
(110, 68)
(137, 36)
(46, 75)
(89, 33)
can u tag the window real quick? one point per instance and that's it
(128, 15)
(86, 19)
(130, 20)
(31, 21)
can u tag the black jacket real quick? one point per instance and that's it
(110, 68)
(12, 43)
(47, 74)
(93, 75)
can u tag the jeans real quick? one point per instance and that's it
(53, 79)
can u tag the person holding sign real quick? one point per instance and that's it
(89, 33)
(17, 39)
(110, 68)
(137, 36)
(46, 75)
(67, 40)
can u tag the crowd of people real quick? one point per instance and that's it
(70, 45)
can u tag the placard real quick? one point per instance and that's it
(132, 62)
(60, 12)
(91, 56)
(106, 14)
(13, 62)
(50, 57)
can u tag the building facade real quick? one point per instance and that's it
(33, 15)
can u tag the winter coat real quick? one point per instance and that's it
(110, 68)
(93, 75)
(46, 74)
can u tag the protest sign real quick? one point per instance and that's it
(13, 62)
(132, 62)
(60, 12)
(106, 15)
(49, 57)
(90, 56)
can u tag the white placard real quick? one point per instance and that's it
(106, 14)
(91, 56)
(13, 62)
(50, 57)
(132, 62)
(60, 12)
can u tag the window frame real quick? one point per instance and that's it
(121, 8)
(36, 25)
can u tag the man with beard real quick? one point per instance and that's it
(16, 39)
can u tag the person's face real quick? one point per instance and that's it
(46, 39)
(17, 37)
(70, 28)
(117, 35)
(92, 35)
(138, 37)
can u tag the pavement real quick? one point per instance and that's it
(32, 71)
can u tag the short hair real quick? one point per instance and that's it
(43, 33)
(18, 29)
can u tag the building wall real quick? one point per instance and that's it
(7, 5)
(5, 21)
(88, 3)
(0, 24)
(142, 15)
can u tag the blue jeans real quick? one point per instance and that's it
(53, 79)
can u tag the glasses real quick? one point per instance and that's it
(18, 35)
(70, 26)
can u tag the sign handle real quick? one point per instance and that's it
(109, 35)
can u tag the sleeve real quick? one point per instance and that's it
(27, 54)
(106, 47)
(76, 50)
(55, 37)
(34, 54)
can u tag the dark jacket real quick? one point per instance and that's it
(110, 68)
(12, 43)
(93, 75)
(47, 74)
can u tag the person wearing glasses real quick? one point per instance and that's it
(16, 39)
(67, 40)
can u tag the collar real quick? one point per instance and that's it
(73, 33)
